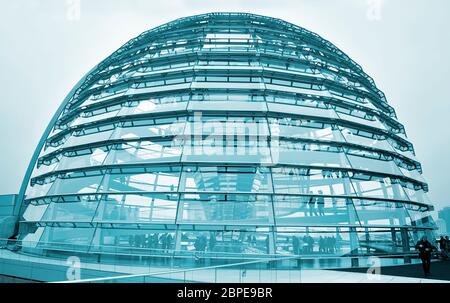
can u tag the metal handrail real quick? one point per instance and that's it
(177, 271)
(215, 267)
(173, 252)
(268, 259)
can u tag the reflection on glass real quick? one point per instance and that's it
(420, 215)
(148, 182)
(70, 212)
(144, 151)
(227, 179)
(313, 211)
(66, 238)
(374, 165)
(377, 187)
(315, 241)
(225, 209)
(309, 154)
(91, 157)
(37, 190)
(233, 242)
(153, 208)
(381, 213)
(133, 241)
(88, 138)
(381, 241)
(81, 185)
(34, 212)
(291, 180)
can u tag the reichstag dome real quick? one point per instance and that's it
(226, 136)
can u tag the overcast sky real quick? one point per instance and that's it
(46, 46)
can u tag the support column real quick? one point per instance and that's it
(405, 244)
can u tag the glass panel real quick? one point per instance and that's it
(37, 190)
(71, 212)
(47, 150)
(31, 239)
(146, 131)
(365, 138)
(104, 96)
(99, 117)
(87, 139)
(362, 121)
(227, 126)
(380, 241)
(374, 165)
(313, 211)
(151, 181)
(225, 209)
(420, 216)
(413, 174)
(313, 241)
(66, 238)
(150, 106)
(137, 208)
(91, 158)
(226, 85)
(79, 185)
(227, 96)
(44, 169)
(377, 187)
(417, 195)
(290, 180)
(417, 234)
(133, 241)
(308, 154)
(144, 152)
(304, 129)
(381, 213)
(144, 106)
(237, 242)
(218, 149)
(302, 110)
(34, 212)
(226, 179)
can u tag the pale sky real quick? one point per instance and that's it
(46, 47)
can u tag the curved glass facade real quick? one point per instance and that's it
(226, 134)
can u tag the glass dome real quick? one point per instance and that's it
(229, 134)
